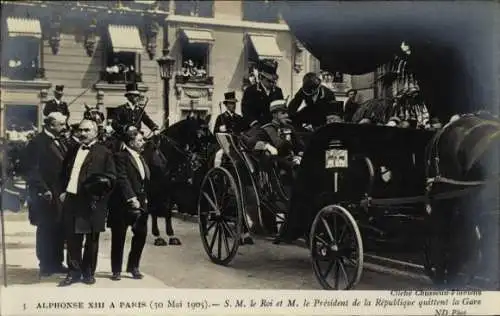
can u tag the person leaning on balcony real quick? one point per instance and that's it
(257, 98)
(45, 156)
(131, 113)
(57, 104)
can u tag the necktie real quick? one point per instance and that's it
(85, 147)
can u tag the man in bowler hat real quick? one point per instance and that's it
(57, 104)
(131, 113)
(128, 205)
(258, 97)
(229, 121)
(88, 178)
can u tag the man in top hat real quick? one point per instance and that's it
(45, 158)
(313, 103)
(258, 97)
(88, 178)
(57, 104)
(131, 113)
(229, 121)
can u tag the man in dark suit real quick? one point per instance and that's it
(229, 121)
(73, 141)
(258, 97)
(128, 205)
(313, 103)
(57, 104)
(351, 105)
(131, 113)
(88, 177)
(46, 153)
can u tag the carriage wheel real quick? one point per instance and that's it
(220, 215)
(336, 246)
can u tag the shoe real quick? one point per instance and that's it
(136, 274)
(174, 241)
(69, 280)
(160, 242)
(60, 269)
(89, 279)
(116, 276)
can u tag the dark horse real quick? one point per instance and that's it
(178, 158)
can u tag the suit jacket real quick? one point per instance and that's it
(44, 166)
(129, 184)
(255, 104)
(71, 143)
(124, 116)
(233, 123)
(285, 144)
(350, 108)
(81, 218)
(52, 106)
(313, 113)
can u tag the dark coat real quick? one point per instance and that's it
(71, 143)
(277, 136)
(80, 218)
(233, 123)
(44, 166)
(350, 108)
(129, 184)
(313, 113)
(255, 104)
(124, 116)
(52, 106)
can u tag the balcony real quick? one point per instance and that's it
(206, 80)
(120, 78)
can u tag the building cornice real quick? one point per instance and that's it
(227, 23)
(22, 84)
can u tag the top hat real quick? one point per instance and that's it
(98, 185)
(132, 88)
(59, 89)
(230, 97)
(311, 82)
(277, 105)
(268, 68)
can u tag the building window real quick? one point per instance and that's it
(203, 8)
(260, 11)
(332, 77)
(122, 67)
(21, 58)
(196, 45)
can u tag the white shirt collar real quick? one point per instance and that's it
(131, 105)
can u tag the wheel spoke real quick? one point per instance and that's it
(212, 243)
(213, 191)
(321, 240)
(219, 242)
(228, 229)
(329, 268)
(214, 206)
(341, 236)
(226, 245)
(337, 270)
(212, 224)
(344, 272)
(325, 223)
(335, 228)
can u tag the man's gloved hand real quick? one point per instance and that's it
(271, 149)
(156, 132)
(297, 160)
(308, 127)
(134, 202)
(222, 128)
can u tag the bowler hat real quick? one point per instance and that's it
(268, 68)
(59, 89)
(98, 185)
(132, 88)
(277, 105)
(230, 97)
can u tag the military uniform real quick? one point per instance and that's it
(55, 105)
(283, 138)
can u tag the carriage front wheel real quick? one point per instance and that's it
(336, 248)
(220, 214)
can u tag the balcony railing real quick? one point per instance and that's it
(120, 78)
(207, 80)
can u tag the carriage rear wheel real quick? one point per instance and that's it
(220, 214)
(336, 248)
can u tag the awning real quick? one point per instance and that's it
(24, 27)
(265, 46)
(198, 36)
(125, 38)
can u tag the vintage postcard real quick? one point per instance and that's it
(250, 157)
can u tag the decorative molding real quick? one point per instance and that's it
(193, 91)
(298, 62)
(152, 30)
(228, 23)
(100, 98)
(55, 33)
(90, 38)
(104, 86)
(21, 84)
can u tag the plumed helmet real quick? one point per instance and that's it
(98, 185)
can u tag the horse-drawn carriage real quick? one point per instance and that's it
(370, 187)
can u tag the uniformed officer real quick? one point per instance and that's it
(57, 104)
(131, 113)
(229, 121)
(258, 97)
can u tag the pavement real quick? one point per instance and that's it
(22, 264)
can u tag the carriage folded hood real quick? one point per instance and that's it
(451, 42)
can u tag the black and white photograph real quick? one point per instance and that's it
(251, 145)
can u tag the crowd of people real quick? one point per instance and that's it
(79, 185)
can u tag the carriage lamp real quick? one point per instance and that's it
(166, 65)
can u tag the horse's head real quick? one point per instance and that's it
(94, 114)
